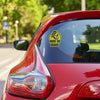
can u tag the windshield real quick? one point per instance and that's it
(72, 41)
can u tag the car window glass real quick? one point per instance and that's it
(72, 41)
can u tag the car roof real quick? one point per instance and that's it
(71, 15)
(52, 19)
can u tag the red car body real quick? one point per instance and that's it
(71, 81)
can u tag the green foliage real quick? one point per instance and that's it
(93, 4)
(1, 12)
(72, 5)
(31, 15)
(64, 5)
(92, 34)
(30, 12)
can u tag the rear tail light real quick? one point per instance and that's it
(90, 90)
(35, 84)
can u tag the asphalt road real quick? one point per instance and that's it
(9, 57)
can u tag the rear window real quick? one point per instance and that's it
(74, 41)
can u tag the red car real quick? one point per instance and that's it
(62, 61)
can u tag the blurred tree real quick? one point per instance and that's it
(71, 5)
(64, 5)
(28, 12)
(92, 4)
(2, 8)
(92, 34)
(30, 17)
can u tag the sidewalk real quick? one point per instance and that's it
(9, 57)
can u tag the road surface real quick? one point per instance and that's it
(9, 57)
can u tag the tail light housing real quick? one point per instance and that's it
(90, 90)
(35, 84)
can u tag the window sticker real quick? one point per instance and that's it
(54, 39)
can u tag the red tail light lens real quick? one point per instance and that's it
(90, 90)
(35, 84)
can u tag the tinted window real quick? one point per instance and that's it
(72, 41)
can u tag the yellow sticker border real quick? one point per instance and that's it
(54, 38)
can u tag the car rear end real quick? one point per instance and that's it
(62, 63)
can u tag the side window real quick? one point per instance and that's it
(52, 42)
(71, 42)
(39, 43)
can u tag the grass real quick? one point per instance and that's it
(95, 46)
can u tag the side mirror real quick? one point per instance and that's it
(21, 44)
